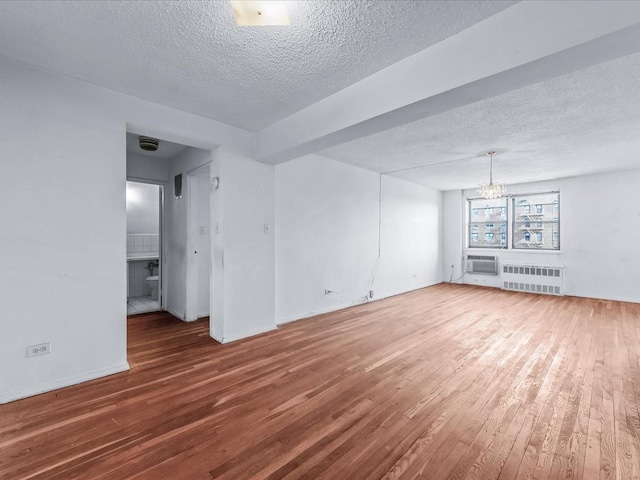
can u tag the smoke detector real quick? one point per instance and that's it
(148, 144)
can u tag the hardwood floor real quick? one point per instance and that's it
(445, 382)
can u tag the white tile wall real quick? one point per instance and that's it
(143, 243)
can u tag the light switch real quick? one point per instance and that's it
(202, 230)
(267, 228)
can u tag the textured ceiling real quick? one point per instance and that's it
(165, 149)
(192, 56)
(581, 123)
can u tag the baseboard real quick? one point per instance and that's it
(63, 382)
(249, 333)
(176, 314)
(336, 308)
(216, 338)
(400, 292)
(315, 313)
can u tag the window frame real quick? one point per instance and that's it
(474, 219)
(509, 223)
(555, 207)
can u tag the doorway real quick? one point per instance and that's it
(144, 244)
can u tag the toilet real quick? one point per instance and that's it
(153, 283)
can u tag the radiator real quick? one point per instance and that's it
(533, 278)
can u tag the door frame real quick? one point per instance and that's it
(191, 307)
(161, 231)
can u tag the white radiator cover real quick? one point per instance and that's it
(548, 280)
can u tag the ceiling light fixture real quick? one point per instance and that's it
(148, 144)
(491, 190)
(260, 13)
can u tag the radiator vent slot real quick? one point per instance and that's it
(483, 264)
(533, 278)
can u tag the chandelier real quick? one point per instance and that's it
(491, 190)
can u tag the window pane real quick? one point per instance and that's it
(536, 221)
(487, 223)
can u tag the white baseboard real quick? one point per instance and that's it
(248, 333)
(24, 392)
(335, 308)
(315, 313)
(176, 314)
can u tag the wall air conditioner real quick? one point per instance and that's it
(483, 264)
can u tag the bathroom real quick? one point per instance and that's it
(143, 247)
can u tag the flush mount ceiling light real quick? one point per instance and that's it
(491, 190)
(148, 144)
(260, 13)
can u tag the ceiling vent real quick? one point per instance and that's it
(148, 144)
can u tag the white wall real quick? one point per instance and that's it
(599, 228)
(247, 189)
(243, 288)
(202, 184)
(63, 275)
(411, 237)
(142, 167)
(63, 145)
(327, 236)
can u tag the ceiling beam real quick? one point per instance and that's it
(527, 43)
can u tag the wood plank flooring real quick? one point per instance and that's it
(448, 382)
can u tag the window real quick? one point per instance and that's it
(486, 217)
(539, 230)
(534, 218)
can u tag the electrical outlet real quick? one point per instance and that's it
(41, 349)
(370, 293)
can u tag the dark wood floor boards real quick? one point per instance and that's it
(449, 382)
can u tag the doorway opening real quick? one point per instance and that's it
(144, 244)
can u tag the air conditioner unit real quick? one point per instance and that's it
(483, 264)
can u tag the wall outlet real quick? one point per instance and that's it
(370, 293)
(41, 349)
